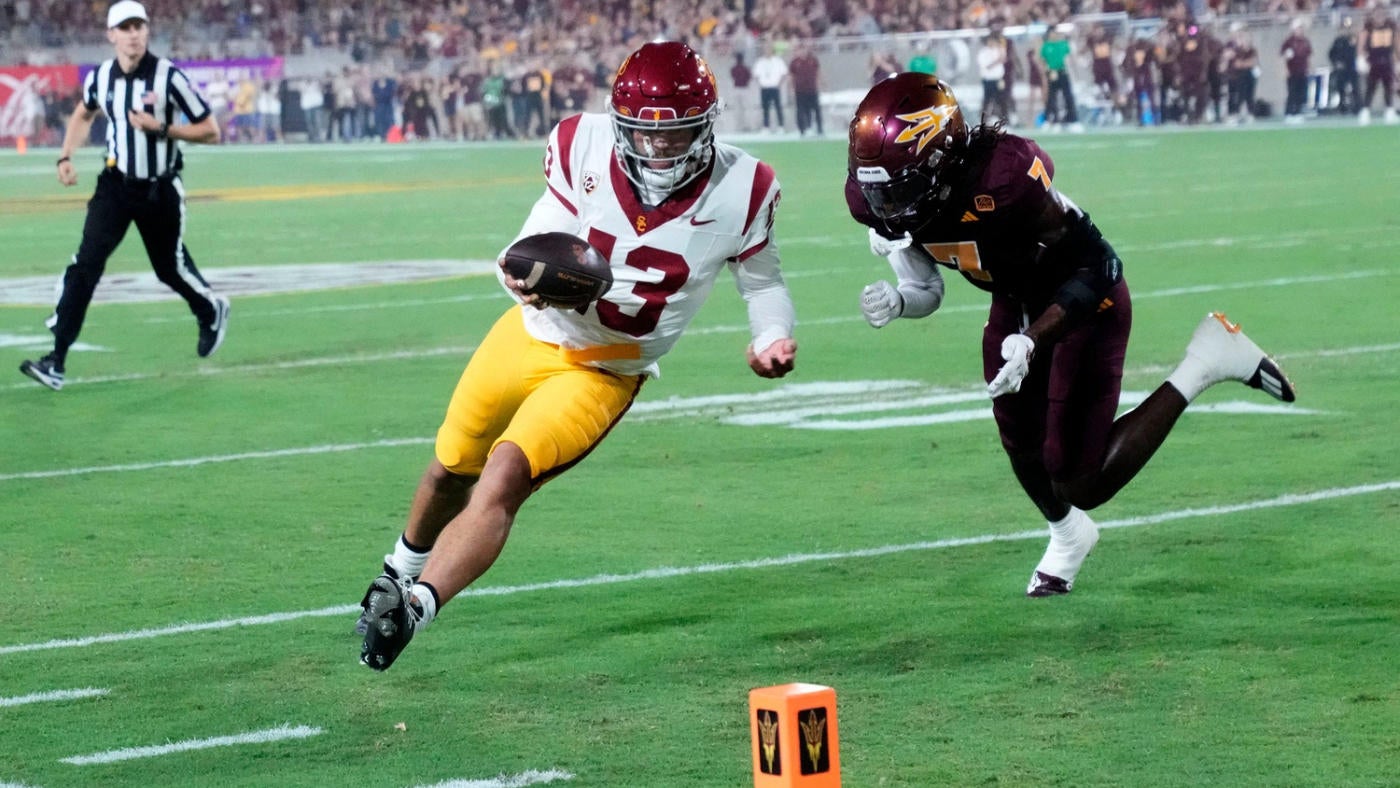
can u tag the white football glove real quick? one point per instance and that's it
(1017, 349)
(880, 246)
(880, 302)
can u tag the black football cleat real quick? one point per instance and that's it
(392, 615)
(362, 623)
(211, 335)
(47, 370)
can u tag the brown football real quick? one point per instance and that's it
(560, 268)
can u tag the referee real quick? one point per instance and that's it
(142, 96)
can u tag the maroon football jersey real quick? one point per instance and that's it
(986, 230)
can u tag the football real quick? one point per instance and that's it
(563, 269)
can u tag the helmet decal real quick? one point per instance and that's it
(925, 125)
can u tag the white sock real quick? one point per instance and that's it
(425, 599)
(405, 560)
(1062, 531)
(1191, 377)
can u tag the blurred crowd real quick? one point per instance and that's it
(1192, 71)
(422, 29)
(472, 72)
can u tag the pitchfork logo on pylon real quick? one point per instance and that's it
(768, 761)
(813, 723)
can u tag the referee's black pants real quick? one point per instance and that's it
(158, 209)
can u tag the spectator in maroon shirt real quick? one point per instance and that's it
(1191, 63)
(805, 71)
(1378, 45)
(743, 99)
(1296, 50)
(1139, 62)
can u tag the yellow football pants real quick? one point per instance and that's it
(533, 394)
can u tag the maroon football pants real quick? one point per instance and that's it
(1069, 398)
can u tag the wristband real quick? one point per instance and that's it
(164, 131)
(60, 161)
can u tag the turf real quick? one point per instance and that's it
(1226, 634)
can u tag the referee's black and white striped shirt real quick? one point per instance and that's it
(156, 86)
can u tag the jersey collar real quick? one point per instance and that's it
(644, 219)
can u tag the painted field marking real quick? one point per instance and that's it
(791, 405)
(143, 287)
(195, 461)
(665, 572)
(279, 733)
(528, 777)
(694, 331)
(304, 363)
(53, 696)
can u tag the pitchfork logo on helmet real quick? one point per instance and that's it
(899, 136)
(925, 125)
(664, 104)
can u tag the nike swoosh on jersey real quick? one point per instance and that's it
(697, 222)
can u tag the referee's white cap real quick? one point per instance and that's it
(124, 10)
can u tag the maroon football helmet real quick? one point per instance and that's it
(899, 136)
(660, 89)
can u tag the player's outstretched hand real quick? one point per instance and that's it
(881, 302)
(1017, 350)
(774, 361)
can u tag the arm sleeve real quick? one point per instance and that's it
(188, 99)
(919, 282)
(90, 91)
(757, 271)
(760, 282)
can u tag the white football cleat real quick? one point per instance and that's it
(1070, 544)
(1390, 118)
(1227, 354)
(1363, 117)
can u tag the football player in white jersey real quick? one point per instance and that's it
(668, 207)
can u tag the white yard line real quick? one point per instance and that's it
(252, 737)
(194, 461)
(320, 361)
(53, 696)
(665, 572)
(529, 777)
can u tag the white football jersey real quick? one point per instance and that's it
(664, 260)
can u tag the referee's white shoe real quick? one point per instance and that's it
(211, 335)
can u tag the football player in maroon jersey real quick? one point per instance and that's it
(936, 193)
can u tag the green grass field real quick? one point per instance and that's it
(185, 538)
